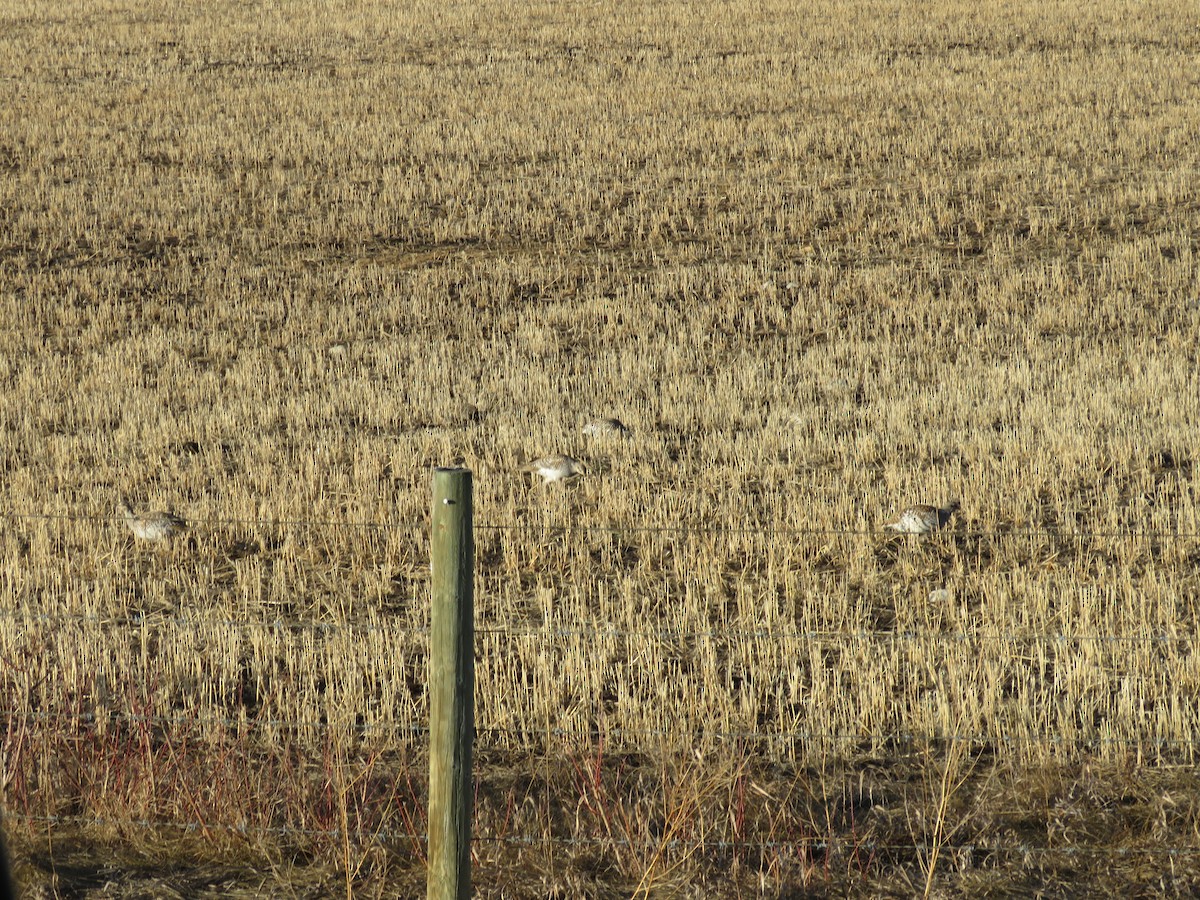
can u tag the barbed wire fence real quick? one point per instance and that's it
(216, 523)
(14, 718)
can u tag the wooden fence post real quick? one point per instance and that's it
(451, 686)
(7, 886)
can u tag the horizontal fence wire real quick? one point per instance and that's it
(619, 528)
(151, 620)
(769, 531)
(670, 634)
(250, 722)
(594, 735)
(215, 523)
(670, 844)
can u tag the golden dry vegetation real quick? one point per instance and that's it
(267, 264)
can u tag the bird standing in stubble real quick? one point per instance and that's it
(606, 428)
(923, 519)
(556, 468)
(151, 526)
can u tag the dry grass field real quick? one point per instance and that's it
(265, 264)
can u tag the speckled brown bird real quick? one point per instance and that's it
(556, 468)
(923, 519)
(151, 526)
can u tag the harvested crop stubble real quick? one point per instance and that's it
(267, 266)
